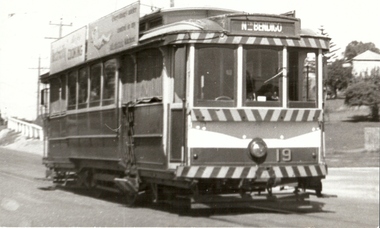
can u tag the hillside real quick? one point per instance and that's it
(15, 141)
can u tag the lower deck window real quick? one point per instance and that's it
(109, 82)
(96, 73)
(72, 92)
(83, 88)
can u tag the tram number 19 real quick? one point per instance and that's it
(283, 155)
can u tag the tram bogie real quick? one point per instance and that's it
(188, 108)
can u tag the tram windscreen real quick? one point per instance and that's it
(215, 76)
(263, 75)
(302, 78)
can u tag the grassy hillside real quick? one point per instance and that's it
(344, 129)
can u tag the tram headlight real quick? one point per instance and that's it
(257, 149)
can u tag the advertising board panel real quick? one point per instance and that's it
(115, 32)
(68, 51)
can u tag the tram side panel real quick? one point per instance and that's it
(147, 136)
(84, 136)
(57, 150)
(94, 135)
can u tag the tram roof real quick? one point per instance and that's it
(216, 20)
(210, 25)
(201, 19)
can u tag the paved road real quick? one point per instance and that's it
(26, 200)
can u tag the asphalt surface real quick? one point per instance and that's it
(351, 199)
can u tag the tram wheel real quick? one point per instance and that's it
(318, 189)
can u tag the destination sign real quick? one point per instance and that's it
(115, 32)
(262, 27)
(68, 51)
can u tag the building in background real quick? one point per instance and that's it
(365, 63)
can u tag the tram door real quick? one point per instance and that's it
(177, 114)
(177, 135)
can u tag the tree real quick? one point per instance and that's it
(365, 91)
(355, 48)
(338, 77)
(331, 55)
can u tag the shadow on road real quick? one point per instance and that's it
(198, 210)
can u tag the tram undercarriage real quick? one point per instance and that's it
(189, 193)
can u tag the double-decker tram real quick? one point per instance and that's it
(187, 103)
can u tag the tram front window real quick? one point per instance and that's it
(263, 76)
(302, 78)
(215, 76)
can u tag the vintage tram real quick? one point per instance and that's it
(187, 103)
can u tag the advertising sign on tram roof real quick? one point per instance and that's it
(115, 32)
(68, 51)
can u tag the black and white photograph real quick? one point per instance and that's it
(177, 113)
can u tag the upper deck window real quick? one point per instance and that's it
(215, 76)
(263, 78)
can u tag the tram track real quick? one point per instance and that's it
(18, 176)
(258, 217)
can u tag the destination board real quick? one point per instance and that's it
(265, 26)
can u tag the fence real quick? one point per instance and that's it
(26, 129)
(372, 138)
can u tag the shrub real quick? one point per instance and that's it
(365, 90)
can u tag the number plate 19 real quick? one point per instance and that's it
(283, 155)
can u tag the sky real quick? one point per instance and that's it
(27, 25)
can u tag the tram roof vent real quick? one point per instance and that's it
(289, 13)
(172, 15)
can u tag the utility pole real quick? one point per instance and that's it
(39, 68)
(60, 29)
(39, 61)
